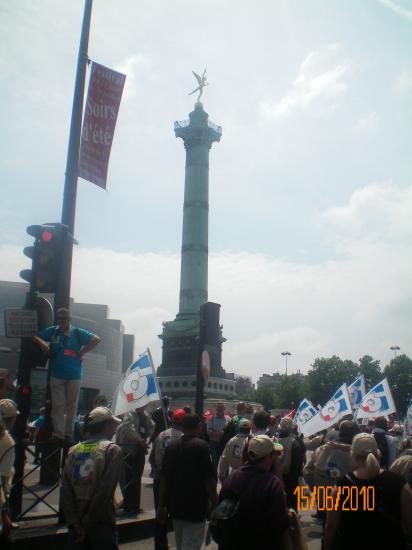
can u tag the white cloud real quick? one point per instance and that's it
(407, 14)
(320, 77)
(355, 304)
(379, 213)
(367, 123)
(129, 67)
(403, 84)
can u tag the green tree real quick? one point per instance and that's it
(371, 370)
(266, 397)
(326, 375)
(290, 392)
(399, 374)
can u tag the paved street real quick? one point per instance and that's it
(311, 527)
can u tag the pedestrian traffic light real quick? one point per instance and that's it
(46, 253)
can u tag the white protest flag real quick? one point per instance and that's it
(357, 391)
(304, 412)
(336, 408)
(407, 427)
(377, 402)
(138, 387)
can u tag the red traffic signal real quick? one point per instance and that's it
(46, 236)
(47, 254)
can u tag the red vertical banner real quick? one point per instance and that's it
(102, 106)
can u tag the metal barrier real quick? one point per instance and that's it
(20, 485)
(40, 495)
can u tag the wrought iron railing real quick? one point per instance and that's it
(181, 123)
(186, 123)
(215, 127)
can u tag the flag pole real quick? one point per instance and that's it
(158, 388)
(154, 374)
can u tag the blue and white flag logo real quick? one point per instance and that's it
(407, 427)
(336, 408)
(357, 391)
(304, 412)
(337, 405)
(377, 402)
(138, 387)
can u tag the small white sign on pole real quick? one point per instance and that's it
(20, 323)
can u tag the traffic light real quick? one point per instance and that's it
(47, 254)
(210, 314)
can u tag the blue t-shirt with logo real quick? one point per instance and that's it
(65, 361)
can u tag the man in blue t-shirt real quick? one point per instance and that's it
(66, 346)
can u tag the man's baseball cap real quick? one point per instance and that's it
(260, 446)
(178, 416)
(245, 424)
(100, 414)
(363, 444)
(8, 408)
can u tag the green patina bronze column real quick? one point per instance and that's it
(180, 347)
(198, 134)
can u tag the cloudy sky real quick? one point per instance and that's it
(310, 186)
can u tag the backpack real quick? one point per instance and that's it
(87, 462)
(225, 521)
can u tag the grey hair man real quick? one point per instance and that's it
(66, 347)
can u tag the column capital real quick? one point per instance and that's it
(198, 130)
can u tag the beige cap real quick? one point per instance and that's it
(8, 408)
(245, 424)
(363, 444)
(286, 425)
(100, 414)
(259, 447)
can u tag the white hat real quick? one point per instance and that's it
(100, 414)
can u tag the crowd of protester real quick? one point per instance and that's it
(260, 462)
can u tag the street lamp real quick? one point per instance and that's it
(285, 354)
(395, 349)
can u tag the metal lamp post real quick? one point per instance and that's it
(395, 349)
(285, 354)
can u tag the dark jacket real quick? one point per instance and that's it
(161, 419)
